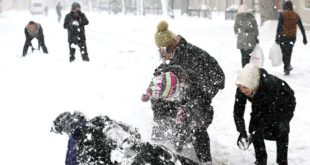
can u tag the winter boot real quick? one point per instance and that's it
(72, 58)
(85, 57)
(287, 71)
(261, 162)
(283, 163)
(44, 49)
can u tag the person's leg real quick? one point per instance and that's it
(201, 142)
(282, 149)
(42, 44)
(26, 46)
(72, 52)
(287, 48)
(245, 56)
(260, 149)
(83, 50)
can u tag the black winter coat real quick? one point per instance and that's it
(76, 34)
(273, 105)
(36, 34)
(205, 75)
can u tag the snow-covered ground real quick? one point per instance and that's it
(35, 89)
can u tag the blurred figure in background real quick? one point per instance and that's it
(46, 10)
(74, 23)
(34, 30)
(247, 33)
(286, 33)
(58, 11)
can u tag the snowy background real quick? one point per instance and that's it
(35, 89)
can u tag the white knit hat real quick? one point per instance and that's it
(249, 76)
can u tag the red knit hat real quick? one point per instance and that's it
(165, 85)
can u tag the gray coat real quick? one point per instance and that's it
(246, 30)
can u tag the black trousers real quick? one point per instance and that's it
(287, 49)
(260, 148)
(245, 56)
(83, 50)
(201, 142)
(28, 43)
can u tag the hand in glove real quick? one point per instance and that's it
(145, 98)
(243, 141)
(75, 23)
(181, 114)
(305, 41)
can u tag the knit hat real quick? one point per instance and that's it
(288, 5)
(249, 76)
(75, 5)
(243, 8)
(163, 37)
(165, 85)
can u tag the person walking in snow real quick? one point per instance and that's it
(273, 105)
(58, 11)
(206, 79)
(286, 33)
(103, 141)
(74, 23)
(34, 30)
(247, 33)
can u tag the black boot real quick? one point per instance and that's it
(72, 58)
(261, 162)
(85, 57)
(287, 70)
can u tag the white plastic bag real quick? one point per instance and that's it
(257, 56)
(275, 55)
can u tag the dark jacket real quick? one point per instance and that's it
(38, 33)
(205, 75)
(287, 26)
(76, 34)
(273, 105)
(246, 30)
(94, 142)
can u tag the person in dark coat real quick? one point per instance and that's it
(74, 23)
(58, 11)
(273, 105)
(34, 30)
(286, 33)
(103, 141)
(206, 79)
(247, 33)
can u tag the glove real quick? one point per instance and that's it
(75, 23)
(181, 115)
(145, 98)
(243, 141)
(305, 41)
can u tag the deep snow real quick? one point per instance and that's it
(35, 89)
